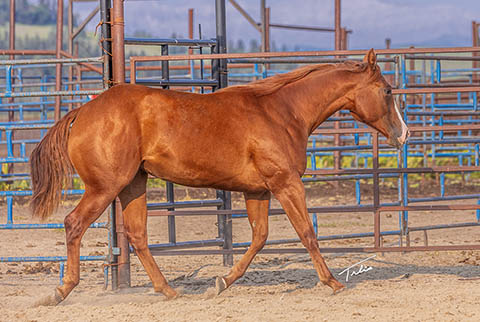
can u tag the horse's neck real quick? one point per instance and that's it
(317, 97)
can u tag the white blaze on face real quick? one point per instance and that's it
(404, 135)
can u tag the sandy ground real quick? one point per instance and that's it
(422, 286)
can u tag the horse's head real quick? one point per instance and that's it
(374, 104)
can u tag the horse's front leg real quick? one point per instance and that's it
(290, 192)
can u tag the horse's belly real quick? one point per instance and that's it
(218, 175)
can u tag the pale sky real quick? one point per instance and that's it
(407, 22)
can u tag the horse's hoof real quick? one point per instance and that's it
(220, 285)
(175, 295)
(50, 300)
(338, 288)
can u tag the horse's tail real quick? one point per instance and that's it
(51, 168)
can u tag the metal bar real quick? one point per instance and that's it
(58, 68)
(86, 65)
(46, 226)
(445, 128)
(70, 46)
(457, 58)
(338, 25)
(246, 15)
(263, 25)
(118, 62)
(11, 80)
(178, 82)
(49, 258)
(323, 250)
(172, 236)
(299, 27)
(436, 90)
(185, 204)
(431, 227)
(118, 44)
(221, 33)
(27, 52)
(299, 60)
(188, 244)
(51, 61)
(339, 209)
(267, 29)
(55, 93)
(445, 84)
(85, 22)
(432, 169)
(170, 42)
(311, 53)
(376, 190)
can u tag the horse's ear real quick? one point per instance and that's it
(370, 58)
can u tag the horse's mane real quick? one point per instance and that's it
(272, 84)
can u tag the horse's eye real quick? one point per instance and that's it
(388, 91)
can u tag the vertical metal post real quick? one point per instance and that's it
(376, 191)
(190, 28)
(224, 221)
(190, 50)
(221, 31)
(123, 258)
(70, 48)
(118, 61)
(338, 36)
(388, 65)
(263, 25)
(344, 42)
(11, 114)
(118, 46)
(475, 43)
(172, 235)
(105, 6)
(58, 68)
(337, 162)
(267, 29)
(11, 35)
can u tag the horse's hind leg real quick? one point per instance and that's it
(291, 194)
(133, 199)
(257, 209)
(91, 206)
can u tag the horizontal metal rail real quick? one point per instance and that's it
(49, 258)
(185, 204)
(170, 42)
(50, 61)
(322, 249)
(314, 210)
(307, 53)
(178, 82)
(309, 60)
(54, 93)
(458, 58)
(46, 226)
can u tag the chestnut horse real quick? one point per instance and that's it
(250, 138)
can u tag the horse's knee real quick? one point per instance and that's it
(309, 241)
